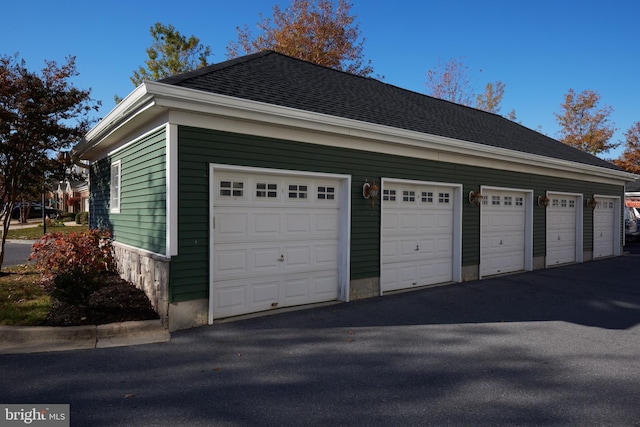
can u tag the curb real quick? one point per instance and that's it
(24, 241)
(36, 339)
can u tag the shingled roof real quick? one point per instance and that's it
(278, 79)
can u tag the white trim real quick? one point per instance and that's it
(212, 197)
(142, 251)
(131, 106)
(528, 225)
(344, 243)
(117, 164)
(579, 226)
(172, 188)
(456, 261)
(388, 140)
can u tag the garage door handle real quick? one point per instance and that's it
(281, 258)
(417, 247)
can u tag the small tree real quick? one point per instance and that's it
(40, 113)
(583, 124)
(171, 53)
(629, 160)
(491, 99)
(450, 81)
(312, 31)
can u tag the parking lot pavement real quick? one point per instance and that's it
(551, 347)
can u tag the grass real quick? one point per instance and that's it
(35, 233)
(22, 301)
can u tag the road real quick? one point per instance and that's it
(558, 347)
(16, 252)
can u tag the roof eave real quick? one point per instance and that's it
(174, 97)
(135, 107)
(150, 97)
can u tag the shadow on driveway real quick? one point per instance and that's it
(604, 294)
(551, 347)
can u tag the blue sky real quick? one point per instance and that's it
(539, 50)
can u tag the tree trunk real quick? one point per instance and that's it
(6, 221)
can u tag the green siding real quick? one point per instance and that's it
(142, 219)
(199, 147)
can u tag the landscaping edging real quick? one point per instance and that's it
(35, 339)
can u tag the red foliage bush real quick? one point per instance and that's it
(86, 254)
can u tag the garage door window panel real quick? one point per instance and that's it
(266, 190)
(389, 195)
(231, 189)
(326, 193)
(298, 191)
(408, 196)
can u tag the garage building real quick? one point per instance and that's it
(266, 182)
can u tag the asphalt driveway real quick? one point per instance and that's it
(552, 347)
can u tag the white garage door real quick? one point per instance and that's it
(275, 241)
(603, 227)
(417, 235)
(502, 234)
(561, 229)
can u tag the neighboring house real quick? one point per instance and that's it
(632, 194)
(70, 196)
(240, 187)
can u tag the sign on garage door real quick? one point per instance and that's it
(417, 244)
(503, 231)
(275, 241)
(564, 229)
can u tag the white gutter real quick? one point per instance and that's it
(136, 102)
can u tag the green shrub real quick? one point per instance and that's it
(68, 216)
(82, 217)
(73, 287)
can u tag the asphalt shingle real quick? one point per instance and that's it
(277, 79)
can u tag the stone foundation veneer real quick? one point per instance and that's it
(147, 271)
(364, 288)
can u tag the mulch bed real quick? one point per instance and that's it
(116, 300)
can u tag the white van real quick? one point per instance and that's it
(631, 227)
